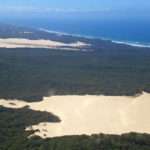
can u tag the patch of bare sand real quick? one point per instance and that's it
(91, 114)
(27, 43)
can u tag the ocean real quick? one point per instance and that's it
(135, 31)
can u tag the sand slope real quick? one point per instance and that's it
(91, 114)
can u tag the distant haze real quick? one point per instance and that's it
(116, 20)
(104, 7)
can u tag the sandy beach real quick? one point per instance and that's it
(90, 114)
(26, 43)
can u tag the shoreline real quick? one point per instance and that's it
(128, 43)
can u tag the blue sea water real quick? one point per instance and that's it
(126, 30)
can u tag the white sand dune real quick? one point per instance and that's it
(91, 114)
(26, 43)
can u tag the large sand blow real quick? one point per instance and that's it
(27, 43)
(91, 114)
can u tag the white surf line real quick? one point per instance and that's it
(27, 43)
(134, 44)
(90, 114)
(128, 43)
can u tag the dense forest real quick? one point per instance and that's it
(30, 74)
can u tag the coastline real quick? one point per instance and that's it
(128, 43)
